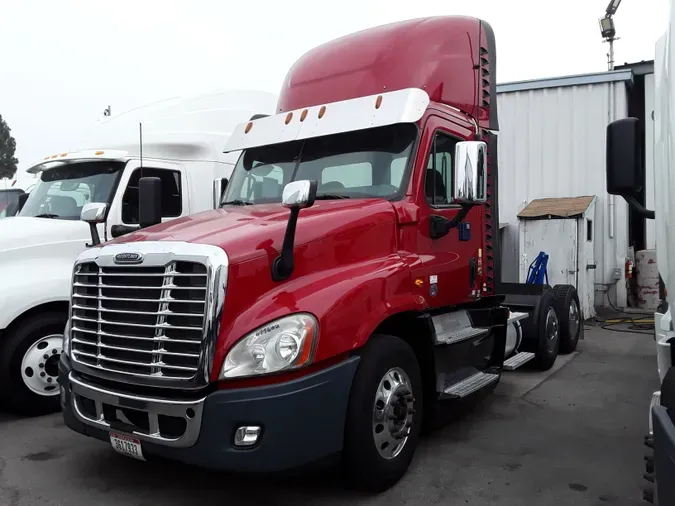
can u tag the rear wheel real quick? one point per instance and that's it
(384, 416)
(569, 313)
(29, 357)
(546, 328)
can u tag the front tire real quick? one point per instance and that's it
(29, 356)
(384, 415)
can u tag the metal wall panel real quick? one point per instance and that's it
(552, 144)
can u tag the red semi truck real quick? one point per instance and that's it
(347, 286)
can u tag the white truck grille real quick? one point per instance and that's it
(146, 321)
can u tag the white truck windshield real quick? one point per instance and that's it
(62, 191)
(362, 164)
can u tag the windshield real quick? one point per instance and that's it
(62, 191)
(362, 164)
(9, 202)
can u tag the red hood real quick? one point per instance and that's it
(245, 232)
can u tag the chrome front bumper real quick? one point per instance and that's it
(102, 408)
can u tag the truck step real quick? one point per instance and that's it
(517, 360)
(455, 327)
(470, 385)
(516, 316)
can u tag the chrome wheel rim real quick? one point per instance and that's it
(393, 413)
(574, 319)
(40, 365)
(552, 328)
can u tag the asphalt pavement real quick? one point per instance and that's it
(570, 436)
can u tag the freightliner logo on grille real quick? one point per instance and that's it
(128, 258)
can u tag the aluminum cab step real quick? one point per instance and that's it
(470, 384)
(517, 360)
(455, 327)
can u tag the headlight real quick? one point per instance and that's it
(66, 339)
(287, 343)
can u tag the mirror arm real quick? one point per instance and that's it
(120, 230)
(95, 238)
(440, 227)
(459, 216)
(639, 208)
(282, 267)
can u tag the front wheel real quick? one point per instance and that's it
(29, 357)
(384, 416)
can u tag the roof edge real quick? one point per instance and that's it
(623, 75)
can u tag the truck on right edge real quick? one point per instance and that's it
(348, 284)
(625, 176)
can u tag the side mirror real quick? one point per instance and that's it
(94, 213)
(299, 194)
(219, 186)
(22, 201)
(624, 170)
(470, 172)
(624, 165)
(149, 201)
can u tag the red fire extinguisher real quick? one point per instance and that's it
(629, 268)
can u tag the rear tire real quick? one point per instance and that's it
(384, 415)
(569, 313)
(543, 337)
(29, 381)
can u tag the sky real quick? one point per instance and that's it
(64, 61)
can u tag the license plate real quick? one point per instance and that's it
(126, 445)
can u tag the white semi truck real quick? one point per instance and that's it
(182, 145)
(625, 176)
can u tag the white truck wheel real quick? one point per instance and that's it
(29, 355)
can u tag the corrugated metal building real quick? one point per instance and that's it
(552, 144)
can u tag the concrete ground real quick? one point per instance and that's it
(570, 436)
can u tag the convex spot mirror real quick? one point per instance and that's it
(299, 194)
(94, 212)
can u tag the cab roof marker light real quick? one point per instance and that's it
(289, 117)
(98, 153)
(322, 111)
(303, 115)
(378, 102)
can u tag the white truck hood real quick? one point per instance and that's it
(22, 232)
(36, 262)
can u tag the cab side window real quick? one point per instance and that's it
(438, 181)
(172, 199)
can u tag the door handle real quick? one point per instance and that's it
(472, 272)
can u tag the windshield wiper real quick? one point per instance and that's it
(331, 196)
(46, 215)
(236, 202)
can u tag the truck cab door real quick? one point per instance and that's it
(175, 194)
(452, 264)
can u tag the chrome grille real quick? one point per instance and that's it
(140, 320)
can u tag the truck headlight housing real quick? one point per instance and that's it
(66, 339)
(284, 344)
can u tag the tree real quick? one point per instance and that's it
(7, 149)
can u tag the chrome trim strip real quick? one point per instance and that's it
(153, 408)
(161, 254)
